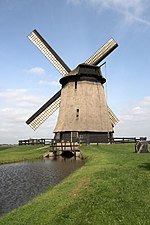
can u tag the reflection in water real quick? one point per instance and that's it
(20, 182)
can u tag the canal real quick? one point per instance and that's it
(21, 182)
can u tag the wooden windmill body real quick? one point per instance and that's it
(83, 111)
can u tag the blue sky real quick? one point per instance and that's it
(75, 29)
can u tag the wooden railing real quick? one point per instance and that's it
(65, 146)
(42, 141)
(45, 141)
(120, 140)
(124, 140)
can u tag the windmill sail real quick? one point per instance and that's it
(102, 53)
(48, 52)
(45, 111)
(112, 116)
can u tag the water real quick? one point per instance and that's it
(20, 182)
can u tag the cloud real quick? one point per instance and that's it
(135, 122)
(17, 105)
(19, 97)
(145, 102)
(131, 10)
(47, 83)
(36, 70)
(14, 128)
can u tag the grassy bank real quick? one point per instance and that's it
(111, 188)
(4, 147)
(20, 153)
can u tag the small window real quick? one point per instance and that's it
(77, 113)
(76, 84)
(80, 136)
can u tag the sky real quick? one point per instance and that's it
(75, 29)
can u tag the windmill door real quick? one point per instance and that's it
(74, 136)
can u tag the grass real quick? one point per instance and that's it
(112, 188)
(4, 147)
(21, 153)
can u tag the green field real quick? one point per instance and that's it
(113, 187)
(4, 147)
(20, 153)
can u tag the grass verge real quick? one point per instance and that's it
(21, 153)
(4, 147)
(111, 188)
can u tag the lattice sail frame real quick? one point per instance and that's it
(112, 116)
(45, 114)
(48, 52)
(102, 52)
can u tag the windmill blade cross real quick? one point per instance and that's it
(45, 111)
(48, 52)
(102, 53)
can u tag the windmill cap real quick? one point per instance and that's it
(84, 70)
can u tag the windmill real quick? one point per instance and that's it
(83, 111)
